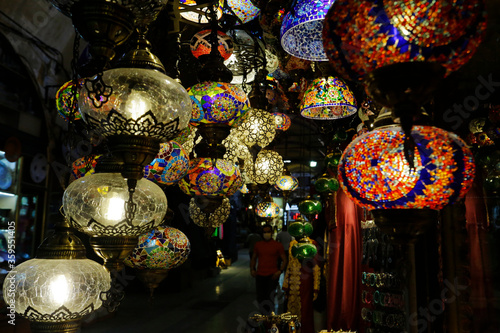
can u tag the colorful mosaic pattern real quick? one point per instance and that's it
(328, 98)
(201, 45)
(217, 103)
(64, 100)
(374, 173)
(162, 248)
(267, 209)
(212, 220)
(282, 121)
(197, 15)
(170, 164)
(360, 36)
(211, 177)
(286, 183)
(301, 31)
(84, 166)
(244, 10)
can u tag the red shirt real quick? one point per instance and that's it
(268, 253)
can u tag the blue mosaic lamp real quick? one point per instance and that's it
(301, 31)
(244, 10)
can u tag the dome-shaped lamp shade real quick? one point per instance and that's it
(193, 11)
(201, 45)
(282, 121)
(301, 31)
(374, 173)
(247, 57)
(258, 128)
(134, 101)
(286, 183)
(56, 290)
(211, 220)
(267, 209)
(244, 10)
(217, 103)
(169, 166)
(268, 167)
(360, 36)
(96, 205)
(161, 248)
(328, 98)
(208, 176)
(65, 97)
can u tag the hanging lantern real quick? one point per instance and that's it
(244, 10)
(201, 45)
(209, 177)
(135, 109)
(236, 150)
(365, 35)
(59, 287)
(196, 12)
(286, 183)
(310, 207)
(328, 98)
(209, 220)
(268, 167)
(169, 165)
(332, 161)
(373, 171)
(282, 121)
(326, 184)
(303, 248)
(267, 209)
(258, 128)
(83, 166)
(64, 100)
(301, 31)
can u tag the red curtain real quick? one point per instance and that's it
(344, 267)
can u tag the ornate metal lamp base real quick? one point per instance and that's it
(70, 326)
(113, 250)
(404, 226)
(151, 278)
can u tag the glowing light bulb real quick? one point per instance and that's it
(59, 290)
(137, 104)
(113, 208)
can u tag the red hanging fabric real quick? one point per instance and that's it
(344, 267)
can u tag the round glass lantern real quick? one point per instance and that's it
(248, 56)
(310, 207)
(244, 10)
(217, 103)
(98, 205)
(326, 184)
(303, 249)
(135, 102)
(267, 209)
(209, 177)
(162, 248)
(209, 220)
(360, 36)
(374, 173)
(201, 45)
(197, 12)
(268, 167)
(328, 98)
(286, 183)
(64, 100)
(301, 31)
(236, 150)
(300, 228)
(258, 128)
(169, 166)
(282, 121)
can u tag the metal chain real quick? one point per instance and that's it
(130, 205)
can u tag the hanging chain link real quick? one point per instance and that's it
(130, 205)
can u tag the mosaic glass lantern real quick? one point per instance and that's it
(96, 205)
(211, 177)
(196, 12)
(258, 128)
(268, 167)
(209, 220)
(373, 171)
(83, 166)
(201, 45)
(328, 98)
(301, 31)
(282, 121)
(286, 183)
(360, 36)
(169, 166)
(64, 100)
(217, 103)
(162, 248)
(244, 10)
(267, 209)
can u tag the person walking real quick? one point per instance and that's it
(264, 268)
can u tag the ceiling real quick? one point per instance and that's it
(306, 139)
